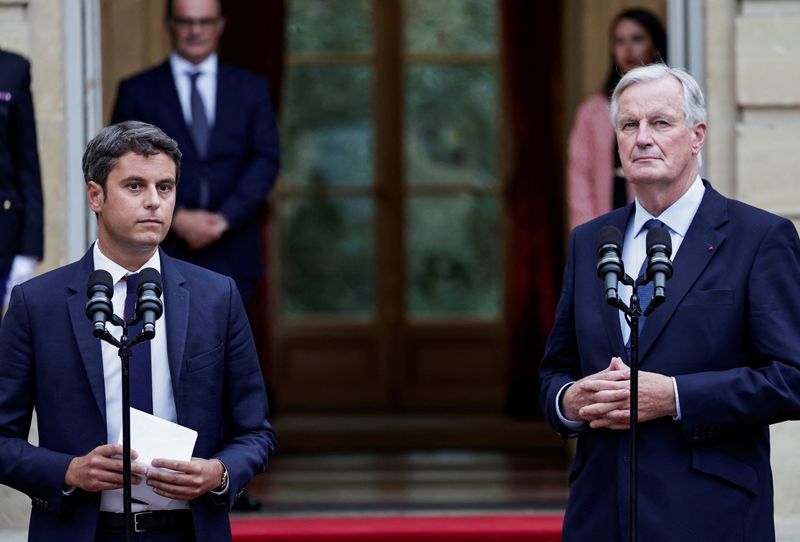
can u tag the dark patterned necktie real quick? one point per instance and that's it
(200, 129)
(141, 378)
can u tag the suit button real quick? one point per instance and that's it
(7, 204)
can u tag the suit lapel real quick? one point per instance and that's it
(88, 344)
(176, 310)
(619, 219)
(696, 251)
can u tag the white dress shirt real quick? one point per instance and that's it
(163, 399)
(677, 218)
(206, 84)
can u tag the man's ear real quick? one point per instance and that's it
(96, 196)
(699, 137)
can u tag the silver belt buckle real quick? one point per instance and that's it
(136, 517)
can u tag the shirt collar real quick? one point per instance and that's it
(678, 216)
(180, 65)
(101, 261)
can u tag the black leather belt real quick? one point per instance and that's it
(148, 521)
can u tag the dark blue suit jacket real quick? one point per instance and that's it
(21, 220)
(50, 361)
(241, 166)
(729, 334)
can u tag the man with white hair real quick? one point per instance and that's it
(719, 360)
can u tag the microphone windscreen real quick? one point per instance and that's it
(100, 277)
(148, 274)
(609, 235)
(659, 236)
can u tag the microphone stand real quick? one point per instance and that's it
(632, 315)
(125, 359)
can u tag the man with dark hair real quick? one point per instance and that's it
(21, 206)
(200, 371)
(221, 117)
(720, 358)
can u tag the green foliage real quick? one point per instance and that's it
(329, 26)
(326, 125)
(454, 249)
(437, 26)
(451, 132)
(455, 257)
(328, 257)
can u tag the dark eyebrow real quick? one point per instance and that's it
(144, 180)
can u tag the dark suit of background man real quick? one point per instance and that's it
(228, 136)
(21, 221)
(720, 359)
(205, 373)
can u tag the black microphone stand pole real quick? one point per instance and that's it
(125, 359)
(632, 314)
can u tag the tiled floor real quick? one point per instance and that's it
(447, 481)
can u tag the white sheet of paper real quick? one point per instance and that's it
(153, 437)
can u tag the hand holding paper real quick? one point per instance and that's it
(185, 480)
(153, 437)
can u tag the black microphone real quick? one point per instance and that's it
(659, 266)
(149, 307)
(99, 309)
(609, 265)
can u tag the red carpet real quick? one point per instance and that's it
(527, 528)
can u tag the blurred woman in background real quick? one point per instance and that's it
(595, 182)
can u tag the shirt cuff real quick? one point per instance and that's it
(677, 400)
(572, 427)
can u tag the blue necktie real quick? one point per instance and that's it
(140, 368)
(645, 291)
(200, 129)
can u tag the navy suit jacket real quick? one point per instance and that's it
(21, 220)
(50, 361)
(241, 165)
(728, 333)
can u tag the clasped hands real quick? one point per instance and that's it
(603, 399)
(198, 227)
(101, 469)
